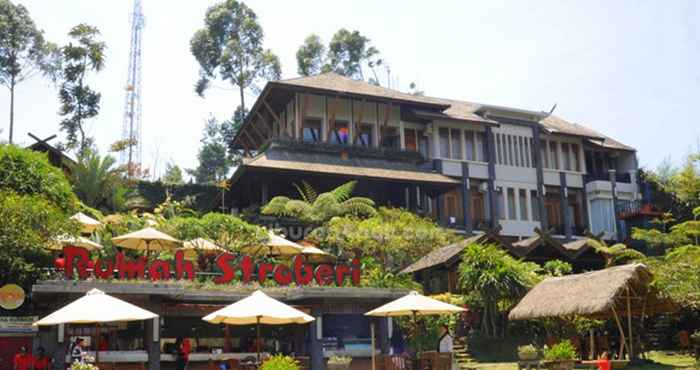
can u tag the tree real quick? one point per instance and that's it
(314, 208)
(230, 128)
(614, 254)
(214, 160)
(230, 47)
(677, 275)
(173, 174)
(30, 223)
(98, 183)
(499, 280)
(311, 56)
(79, 102)
(227, 231)
(29, 173)
(23, 51)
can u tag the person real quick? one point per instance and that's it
(23, 360)
(41, 361)
(182, 353)
(603, 363)
(445, 344)
(77, 353)
(60, 262)
(104, 342)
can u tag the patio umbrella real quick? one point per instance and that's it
(96, 307)
(414, 305)
(78, 241)
(258, 308)
(191, 247)
(314, 254)
(87, 223)
(148, 239)
(276, 246)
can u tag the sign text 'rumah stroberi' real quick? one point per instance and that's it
(300, 272)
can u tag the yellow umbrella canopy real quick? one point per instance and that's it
(87, 223)
(201, 245)
(148, 239)
(276, 246)
(96, 307)
(414, 304)
(314, 254)
(79, 241)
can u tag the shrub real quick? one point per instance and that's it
(78, 366)
(280, 362)
(339, 360)
(527, 351)
(563, 350)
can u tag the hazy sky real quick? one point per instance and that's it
(629, 69)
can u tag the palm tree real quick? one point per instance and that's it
(318, 208)
(614, 254)
(98, 182)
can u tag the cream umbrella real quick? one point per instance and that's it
(276, 246)
(148, 239)
(191, 247)
(314, 254)
(87, 223)
(415, 305)
(79, 241)
(258, 308)
(96, 307)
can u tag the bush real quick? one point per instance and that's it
(280, 362)
(29, 173)
(339, 360)
(563, 350)
(527, 351)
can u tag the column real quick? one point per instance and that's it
(324, 123)
(315, 328)
(466, 199)
(491, 149)
(413, 197)
(439, 199)
(61, 347)
(402, 139)
(152, 342)
(528, 204)
(613, 185)
(563, 205)
(506, 206)
(265, 192)
(537, 160)
(516, 198)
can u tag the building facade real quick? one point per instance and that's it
(470, 166)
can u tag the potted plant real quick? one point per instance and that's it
(560, 356)
(280, 362)
(527, 353)
(78, 366)
(339, 362)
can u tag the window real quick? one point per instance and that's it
(423, 143)
(366, 136)
(444, 142)
(565, 156)
(391, 139)
(602, 216)
(522, 198)
(531, 152)
(410, 139)
(312, 130)
(543, 154)
(499, 148)
(456, 142)
(509, 144)
(500, 205)
(521, 151)
(469, 143)
(340, 133)
(511, 204)
(553, 155)
(575, 156)
(535, 206)
(481, 147)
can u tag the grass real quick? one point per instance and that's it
(659, 360)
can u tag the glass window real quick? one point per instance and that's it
(469, 143)
(500, 205)
(340, 133)
(522, 198)
(456, 140)
(543, 154)
(511, 204)
(531, 152)
(444, 142)
(409, 136)
(509, 144)
(366, 137)
(423, 143)
(391, 138)
(481, 147)
(602, 216)
(521, 151)
(497, 142)
(575, 157)
(565, 156)
(312, 130)
(535, 206)
(553, 155)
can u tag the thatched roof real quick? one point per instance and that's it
(591, 294)
(442, 255)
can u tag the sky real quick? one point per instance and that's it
(629, 69)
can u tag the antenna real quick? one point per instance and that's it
(131, 128)
(553, 108)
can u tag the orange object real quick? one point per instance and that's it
(23, 361)
(603, 364)
(186, 349)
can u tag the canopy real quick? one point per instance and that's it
(258, 306)
(201, 245)
(414, 304)
(87, 223)
(78, 241)
(314, 254)
(96, 307)
(276, 245)
(148, 239)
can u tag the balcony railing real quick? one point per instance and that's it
(605, 176)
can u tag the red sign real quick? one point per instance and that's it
(300, 272)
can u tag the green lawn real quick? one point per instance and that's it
(661, 361)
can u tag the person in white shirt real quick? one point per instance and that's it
(445, 344)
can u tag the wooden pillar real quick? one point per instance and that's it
(152, 342)
(491, 147)
(316, 356)
(466, 199)
(439, 199)
(537, 158)
(413, 197)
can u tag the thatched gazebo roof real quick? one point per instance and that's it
(596, 294)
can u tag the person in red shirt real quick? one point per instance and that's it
(23, 360)
(60, 262)
(104, 342)
(41, 361)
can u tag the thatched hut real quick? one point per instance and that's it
(610, 293)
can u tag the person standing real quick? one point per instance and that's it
(41, 361)
(77, 353)
(23, 360)
(446, 344)
(182, 356)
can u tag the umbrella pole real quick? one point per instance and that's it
(257, 343)
(630, 350)
(97, 342)
(371, 329)
(416, 364)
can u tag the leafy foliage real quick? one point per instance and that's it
(202, 198)
(375, 275)
(23, 50)
(29, 173)
(311, 56)
(173, 175)
(227, 231)
(98, 183)
(230, 47)
(79, 102)
(677, 235)
(498, 278)
(29, 223)
(677, 275)
(214, 160)
(563, 350)
(280, 362)
(557, 268)
(316, 208)
(614, 254)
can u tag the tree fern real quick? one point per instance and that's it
(344, 192)
(307, 192)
